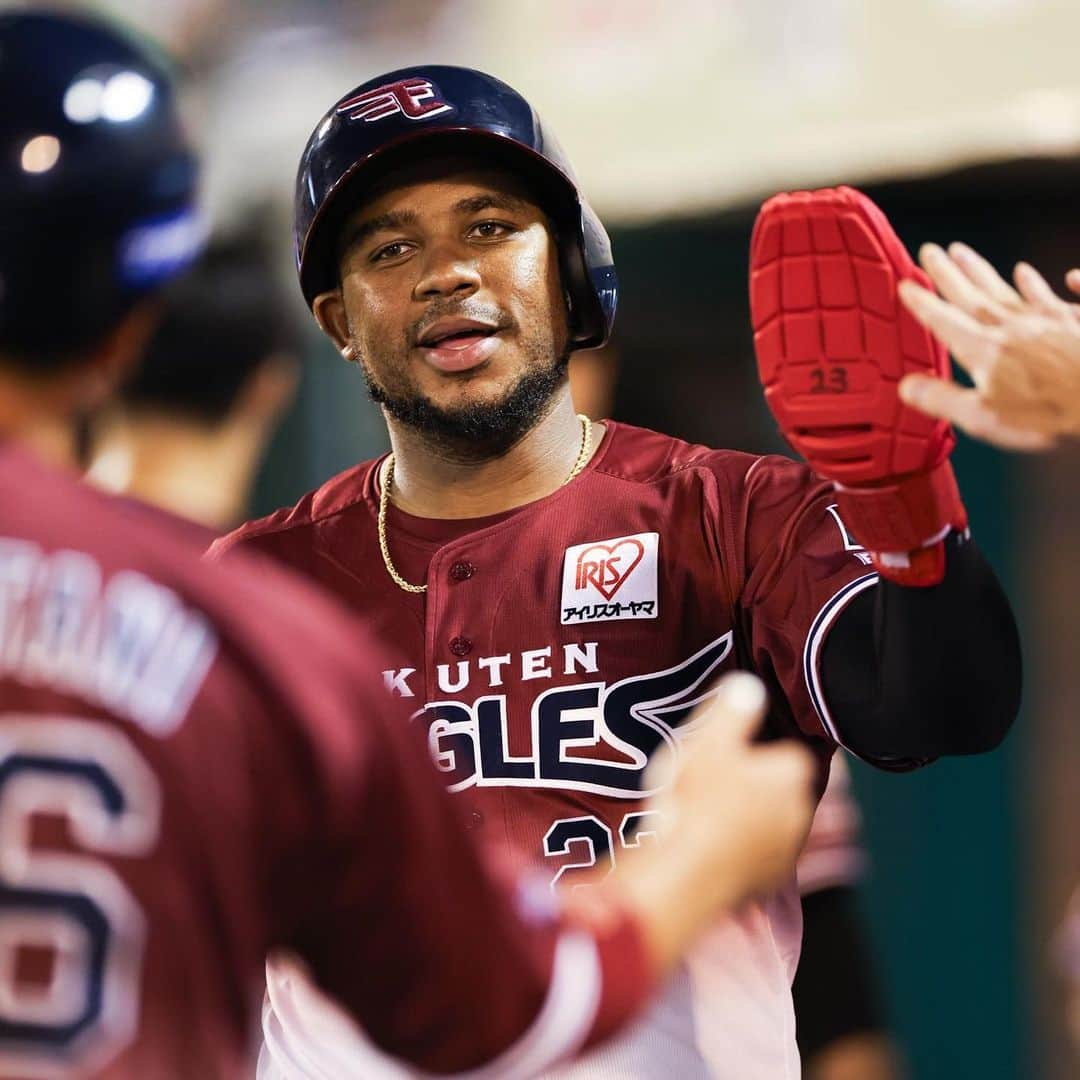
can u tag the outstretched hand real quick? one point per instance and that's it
(1019, 343)
(736, 814)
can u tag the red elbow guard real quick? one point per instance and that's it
(903, 522)
(833, 342)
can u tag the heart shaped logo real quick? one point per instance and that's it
(607, 566)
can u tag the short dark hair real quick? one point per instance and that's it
(220, 322)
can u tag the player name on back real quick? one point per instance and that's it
(122, 642)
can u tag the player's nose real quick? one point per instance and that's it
(447, 271)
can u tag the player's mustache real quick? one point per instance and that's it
(460, 309)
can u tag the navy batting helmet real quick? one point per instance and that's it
(97, 182)
(448, 106)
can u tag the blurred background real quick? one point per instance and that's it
(962, 119)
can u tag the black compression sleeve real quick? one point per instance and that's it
(835, 991)
(911, 674)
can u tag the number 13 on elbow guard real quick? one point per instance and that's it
(832, 343)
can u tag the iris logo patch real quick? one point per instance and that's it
(611, 579)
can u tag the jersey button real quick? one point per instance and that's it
(462, 571)
(460, 646)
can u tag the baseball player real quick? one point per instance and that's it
(560, 592)
(198, 764)
(1021, 346)
(188, 428)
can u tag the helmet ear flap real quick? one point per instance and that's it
(575, 320)
(590, 284)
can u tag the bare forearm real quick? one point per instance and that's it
(728, 835)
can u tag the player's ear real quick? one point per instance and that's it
(267, 392)
(329, 312)
(118, 354)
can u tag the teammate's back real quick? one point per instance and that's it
(191, 774)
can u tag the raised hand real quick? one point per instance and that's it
(736, 815)
(1019, 342)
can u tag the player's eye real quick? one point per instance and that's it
(490, 230)
(395, 249)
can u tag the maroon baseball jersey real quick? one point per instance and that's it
(559, 644)
(196, 766)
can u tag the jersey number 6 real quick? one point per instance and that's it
(67, 911)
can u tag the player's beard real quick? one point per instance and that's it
(481, 430)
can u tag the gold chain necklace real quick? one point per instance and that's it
(388, 479)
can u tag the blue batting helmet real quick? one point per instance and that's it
(97, 182)
(448, 106)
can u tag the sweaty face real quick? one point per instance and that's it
(451, 300)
